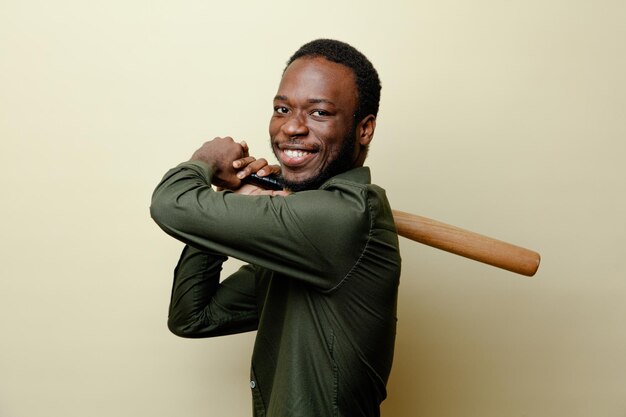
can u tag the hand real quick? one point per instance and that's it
(249, 189)
(250, 165)
(219, 154)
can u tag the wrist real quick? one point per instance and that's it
(203, 158)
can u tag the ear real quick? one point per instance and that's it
(365, 130)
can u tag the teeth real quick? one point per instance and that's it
(293, 153)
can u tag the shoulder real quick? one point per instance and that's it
(347, 204)
(355, 188)
(344, 196)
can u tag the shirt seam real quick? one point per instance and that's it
(365, 247)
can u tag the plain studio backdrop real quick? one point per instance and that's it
(507, 118)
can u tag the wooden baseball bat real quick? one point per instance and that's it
(468, 244)
(449, 238)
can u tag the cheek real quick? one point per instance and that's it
(271, 127)
(334, 138)
(274, 125)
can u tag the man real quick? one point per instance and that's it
(321, 282)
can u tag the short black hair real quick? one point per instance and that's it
(366, 77)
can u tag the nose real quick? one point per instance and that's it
(295, 125)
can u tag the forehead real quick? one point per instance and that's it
(317, 78)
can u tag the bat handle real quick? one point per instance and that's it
(269, 182)
(467, 244)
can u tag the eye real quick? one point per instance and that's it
(281, 110)
(320, 113)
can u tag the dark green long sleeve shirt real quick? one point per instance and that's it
(320, 287)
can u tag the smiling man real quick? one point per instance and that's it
(323, 265)
(313, 129)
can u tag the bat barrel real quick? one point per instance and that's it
(467, 244)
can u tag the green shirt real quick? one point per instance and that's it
(320, 286)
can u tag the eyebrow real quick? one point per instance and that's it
(319, 100)
(311, 100)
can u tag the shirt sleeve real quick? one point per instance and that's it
(316, 236)
(201, 306)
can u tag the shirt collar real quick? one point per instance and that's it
(359, 175)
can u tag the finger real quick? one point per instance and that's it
(249, 189)
(242, 162)
(255, 166)
(280, 193)
(273, 193)
(244, 146)
(269, 170)
(262, 168)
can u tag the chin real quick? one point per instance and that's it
(296, 183)
(297, 177)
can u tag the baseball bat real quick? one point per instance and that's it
(466, 243)
(449, 238)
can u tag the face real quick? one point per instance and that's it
(312, 129)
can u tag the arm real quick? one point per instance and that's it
(202, 307)
(316, 236)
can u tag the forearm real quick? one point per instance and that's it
(202, 307)
(315, 236)
(196, 279)
(184, 179)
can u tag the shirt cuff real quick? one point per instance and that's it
(202, 168)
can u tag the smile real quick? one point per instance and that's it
(294, 158)
(293, 153)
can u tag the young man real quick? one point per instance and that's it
(323, 267)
